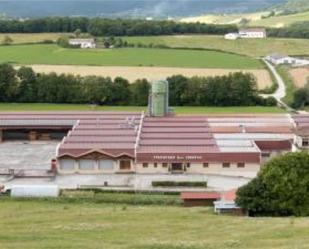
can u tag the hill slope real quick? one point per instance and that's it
(294, 6)
(129, 8)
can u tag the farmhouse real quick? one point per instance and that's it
(282, 59)
(253, 33)
(83, 43)
(156, 142)
(247, 33)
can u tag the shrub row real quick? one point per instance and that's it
(120, 198)
(179, 184)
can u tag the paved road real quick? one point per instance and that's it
(281, 90)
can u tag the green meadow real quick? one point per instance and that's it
(55, 55)
(38, 224)
(249, 47)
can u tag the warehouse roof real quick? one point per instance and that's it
(199, 138)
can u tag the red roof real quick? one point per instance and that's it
(200, 195)
(229, 195)
(167, 139)
(274, 145)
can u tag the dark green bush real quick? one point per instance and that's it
(280, 189)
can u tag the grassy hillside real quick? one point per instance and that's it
(294, 5)
(250, 47)
(254, 19)
(178, 110)
(281, 20)
(52, 54)
(54, 224)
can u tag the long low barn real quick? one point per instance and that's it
(123, 142)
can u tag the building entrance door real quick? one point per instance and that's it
(125, 165)
(177, 168)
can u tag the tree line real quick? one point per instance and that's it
(130, 27)
(110, 27)
(296, 30)
(25, 86)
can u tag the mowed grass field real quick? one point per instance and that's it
(249, 47)
(53, 54)
(179, 110)
(37, 224)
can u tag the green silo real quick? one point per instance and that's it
(159, 99)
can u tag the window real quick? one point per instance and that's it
(164, 165)
(67, 164)
(106, 164)
(125, 165)
(86, 164)
(145, 165)
(240, 165)
(226, 165)
(265, 154)
(205, 165)
(305, 142)
(188, 165)
(155, 165)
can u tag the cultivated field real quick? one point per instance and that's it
(55, 55)
(255, 19)
(300, 76)
(178, 110)
(20, 38)
(151, 73)
(250, 47)
(34, 224)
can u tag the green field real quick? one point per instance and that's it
(178, 110)
(52, 54)
(250, 47)
(38, 224)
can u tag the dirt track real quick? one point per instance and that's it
(150, 73)
(300, 76)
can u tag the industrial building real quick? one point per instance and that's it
(159, 142)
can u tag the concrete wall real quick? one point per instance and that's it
(249, 170)
(151, 169)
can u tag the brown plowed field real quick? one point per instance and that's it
(150, 73)
(300, 76)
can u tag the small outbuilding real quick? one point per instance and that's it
(83, 43)
(37, 191)
(193, 199)
(227, 205)
(231, 36)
